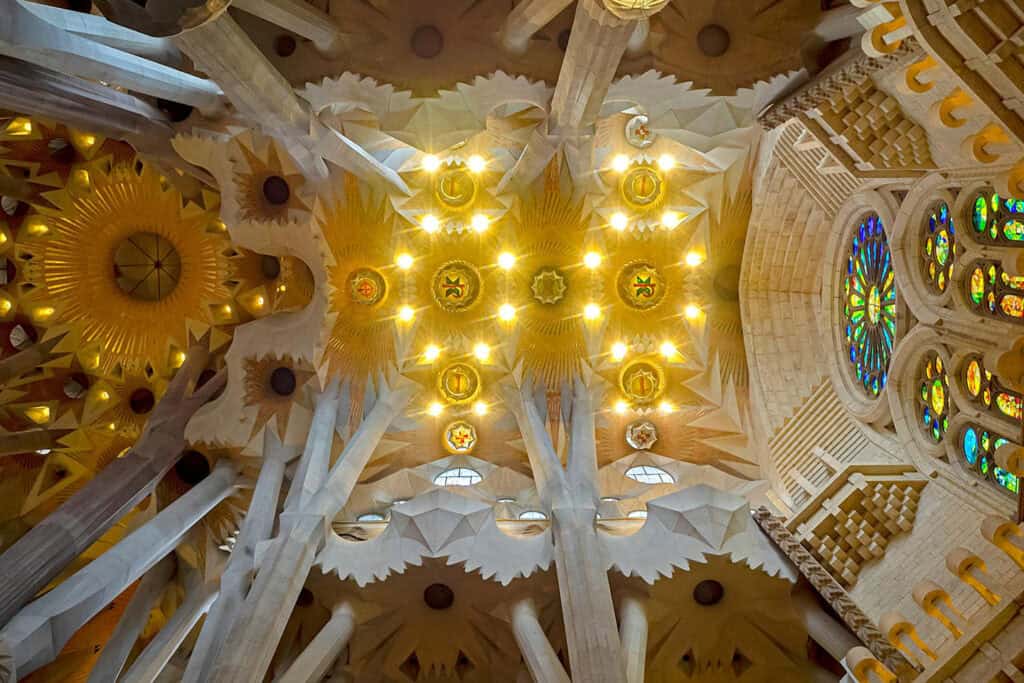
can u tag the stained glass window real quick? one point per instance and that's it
(997, 220)
(986, 391)
(939, 247)
(869, 306)
(978, 448)
(934, 396)
(992, 291)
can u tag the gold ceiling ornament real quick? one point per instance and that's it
(268, 189)
(263, 284)
(641, 285)
(363, 283)
(648, 278)
(454, 284)
(646, 190)
(449, 198)
(459, 383)
(642, 382)
(632, 10)
(459, 438)
(125, 261)
(273, 384)
(45, 152)
(549, 283)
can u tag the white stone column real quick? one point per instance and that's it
(316, 458)
(99, 29)
(158, 652)
(534, 645)
(525, 19)
(300, 18)
(115, 653)
(29, 36)
(39, 631)
(251, 643)
(257, 526)
(595, 49)
(826, 631)
(324, 649)
(633, 633)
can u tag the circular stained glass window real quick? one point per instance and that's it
(978, 448)
(869, 305)
(934, 397)
(939, 247)
(997, 220)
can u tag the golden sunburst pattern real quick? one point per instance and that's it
(264, 284)
(274, 384)
(364, 283)
(269, 187)
(550, 282)
(647, 193)
(85, 260)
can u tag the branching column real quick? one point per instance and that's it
(32, 37)
(251, 643)
(595, 49)
(321, 652)
(115, 653)
(595, 652)
(39, 631)
(528, 17)
(42, 553)
(633, 632)
(257, 526)
(39, 353)
(300, 18)
(540, 657)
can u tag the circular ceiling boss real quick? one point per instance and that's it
(642, 382)
(641, 285)
(459, 383)
(146, 266)
(456, 286)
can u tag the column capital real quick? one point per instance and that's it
(632, 10)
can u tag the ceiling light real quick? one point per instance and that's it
(431, 353)
(619, 221)
(668, 349)
(406, 314)
(620, 163)
(666, 407)
(480, 222)
(507, 312)
(694, 258)
(671, 219)
(482, 351)
(435, 408)
(619, 350)
(431, 163)
(666, 162)
(480, 408)
(430, 223)
(592, 259)
(506, 260)
(621, 407)
(591, 312)
(692, 311)
(476, 163)
(404, 261)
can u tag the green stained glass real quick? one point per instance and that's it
(869, 305)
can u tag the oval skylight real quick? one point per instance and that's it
(648, 474)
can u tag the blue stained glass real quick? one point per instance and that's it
(868, 307)
(970, 445)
